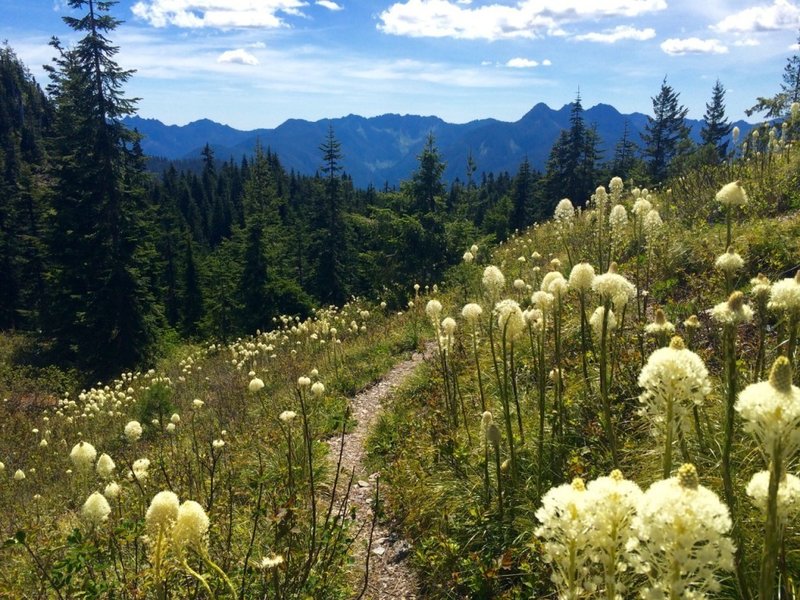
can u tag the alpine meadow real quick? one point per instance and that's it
(221, 377)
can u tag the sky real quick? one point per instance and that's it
(256, 63)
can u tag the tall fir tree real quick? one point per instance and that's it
(102, 310)
(625, 154)
(522, 197)
(778, 106)
(666, 134)
(716, 127)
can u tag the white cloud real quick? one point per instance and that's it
(221, 14)
(239, 56)
(781, 14)
(693, 45)
(546, 62)
(747, 42)
(257, 45)
(522, 63)
(329, 4)
(620, 32)
(523, 19)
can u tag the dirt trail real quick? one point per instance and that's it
(390, 576)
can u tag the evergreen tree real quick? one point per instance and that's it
(716, 127)
(625, 154)
(522, 197)
(666, 134)
(778, 106)
(426, 186)
(192, 292)
(103, 313)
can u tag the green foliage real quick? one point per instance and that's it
(666, 134)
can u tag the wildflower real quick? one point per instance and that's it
(613, 287)
(652, 226)
(785, 296)
(493, 434)
(565, 211)
(581, 277)
(96, 509)
(133, 431)
(733, 312)
(788, 494)
(162, 512)
(19, 475)
(191, 527)
(486, 420)
(642, 207)
(287, 416)
(303, 382)
(43, 443)
(140, 468)
(660, 325)
(271, 562)
(111, 490)
(554, 283)
(2, 467)
(197, 403)
(761, 288)
(510, 319)
(434, 310)
(449, 326)
(317, 389)
(732, 194)
(474, 248)
(493, 280)
(519, 284)
(771, 410)
(105, 466)
(83, 455)
(596, 320)
(616, 185)
(472, 312)
(729, 262)
(735, 132)
(692, 322)
(175, 419)
(618, 218)
(255, 385)
(468, 257)
(543, 301)
(217, 444)
(682, 530)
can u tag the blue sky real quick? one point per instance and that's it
(256, 63)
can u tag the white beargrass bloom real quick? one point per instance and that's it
(510, 319)
(761, 288)
(133, 431)
(162, 512)
(616, 186)
(652, 226)
(534, 318)
(468, 257)
(449, 326)
(733, 312)
(543, 301)
(660, 325)
(175, 419)
(111, 490)
(610, 509)
(732, 194)
(434, 310)
(565, 212)
(217, 444)
(287, 416)
(19, 475)
(641, 207)
(581, 277)
(317, 389)
(596, 321)
(197, 403)
(191, 527)
(682, 541)
(255, 385)
(303, 382)
(785, 296)
(613, 287)
(555, 283)
(486, 420)
(105, 466)
(493, 281)
(788, 494)
(83, 455)
(565, 535)
(140, 468)
(96, 509)
(673, 375)
(771, 410)
(618, 219)
(472, 313)
(729, 262)
(2, 467)
(271, 562)
(519, 284)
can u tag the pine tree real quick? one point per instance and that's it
(103, 313)
(192, 292)
(716, 127)
(666, 134)
(625, 154)
(778, 106)
(426, 185)
(522, 197)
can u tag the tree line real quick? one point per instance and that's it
(107, 262)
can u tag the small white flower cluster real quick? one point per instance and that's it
(493, 281)
(660, 325)
(565, 212)
(613, 287)
(733, 312)
(732, 194)
(729, 262)
(176, 525)
(581, 277)
(510, 320)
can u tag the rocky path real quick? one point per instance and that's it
(390, 576)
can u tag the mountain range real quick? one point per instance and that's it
(383, 150)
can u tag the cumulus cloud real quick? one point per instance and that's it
(747, 42)
(693, 45)
(781, 14)
(522, 63)
(620, 32)
(506, 20)
(239, 56)
(220, 14)
(329, 4)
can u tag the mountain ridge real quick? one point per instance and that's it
(383, 150)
